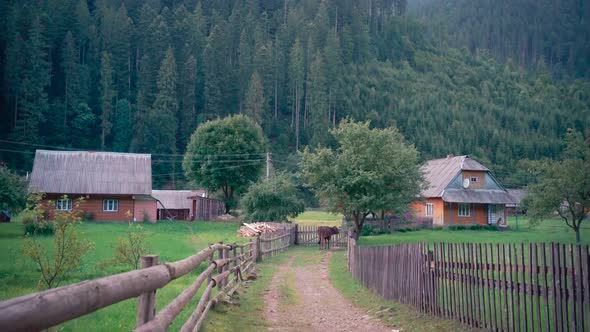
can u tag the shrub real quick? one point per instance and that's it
(88, 216)
(368, 230)
(274, 199)
(39, 228)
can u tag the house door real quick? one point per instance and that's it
(495, 214)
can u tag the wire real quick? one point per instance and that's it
(208, 170)
(17, 151)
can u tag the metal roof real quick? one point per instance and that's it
(439, 173)
(176, 199)
(483, 196)
(86, 172)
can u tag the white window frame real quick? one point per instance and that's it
(464, 210)
(110, 205)
(429, 208)
(473, 179)
(63, 204)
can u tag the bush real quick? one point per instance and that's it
(472, 227)
(369, 231)
(274, 199)
(39, 228)
(88, 216)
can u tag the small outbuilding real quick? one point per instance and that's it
(515, 207)
(175, 204)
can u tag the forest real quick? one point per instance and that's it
(455, 76)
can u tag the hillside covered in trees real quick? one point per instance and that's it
(139, 76)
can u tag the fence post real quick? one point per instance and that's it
(220, 269)
(296, 235)
(146, 306)
(258, 251)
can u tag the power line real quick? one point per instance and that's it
(210, 170)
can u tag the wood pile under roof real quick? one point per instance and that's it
(255, 229)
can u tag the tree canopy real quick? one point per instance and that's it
(370, 170)
(227, 155)
(563, 186)
(274, 199)
(13, 191)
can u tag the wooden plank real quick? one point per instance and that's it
(506, 315)
(491, 291)
(534, 281)
(455, 283)
(445, 283)
(564, 287)
(573, 294)
(511, 259)
(555, 280)
(469, 271)
(520, 299)
(544, 255)
(586, 281)
(464, 305)
(481, 290)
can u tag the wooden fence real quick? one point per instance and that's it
(308, 236)
(42, 310)
(498, 287)
(271, 244)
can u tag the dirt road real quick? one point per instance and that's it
(302, 298)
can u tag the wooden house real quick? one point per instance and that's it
(175, 204)
(461, 191)
(115, 186)
(206, 208)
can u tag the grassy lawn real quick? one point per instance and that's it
(319, 218)
(171, 240)
(548, 231)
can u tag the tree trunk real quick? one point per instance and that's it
(577, 230)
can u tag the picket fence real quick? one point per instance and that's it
(496, 287)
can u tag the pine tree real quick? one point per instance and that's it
(188, 113)
(35, 80)
(107, 93)
(318, 102)
(122, 129)
(216, 71)
(255, 103)
(82, 119)
(296, 80)
(71, 69)
(162, 117)
(333, 67)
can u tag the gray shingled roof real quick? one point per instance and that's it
(440, 172)
(176, 199)
(85, 172)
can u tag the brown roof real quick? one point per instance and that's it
(440, 172)
(176, 199)
(85, 172)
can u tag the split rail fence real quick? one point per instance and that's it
(42, 310)
(497, 287)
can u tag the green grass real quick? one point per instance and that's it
(548, 231)
(248, 316)
(392, 314)
(320, 218)
(170, 240)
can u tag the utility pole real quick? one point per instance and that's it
(268, 165)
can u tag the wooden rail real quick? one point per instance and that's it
(498, 287)
(42, 310)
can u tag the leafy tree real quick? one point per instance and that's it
(274, 199)
(106, 100)
(226, 155)
(13, 191)
(370, 170)
(562, 186)
(69, 246)
(255, 102)
(130, 248)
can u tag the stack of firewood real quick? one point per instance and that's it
(254, 229)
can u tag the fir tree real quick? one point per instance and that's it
(255, 102)
(106, 97)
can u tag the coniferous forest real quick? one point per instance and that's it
(498, 80)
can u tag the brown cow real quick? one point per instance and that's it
(325, 234)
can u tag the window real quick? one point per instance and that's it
(64, 204)
(110, 205)
(429, 209)
(474, 179)
(464, 209)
